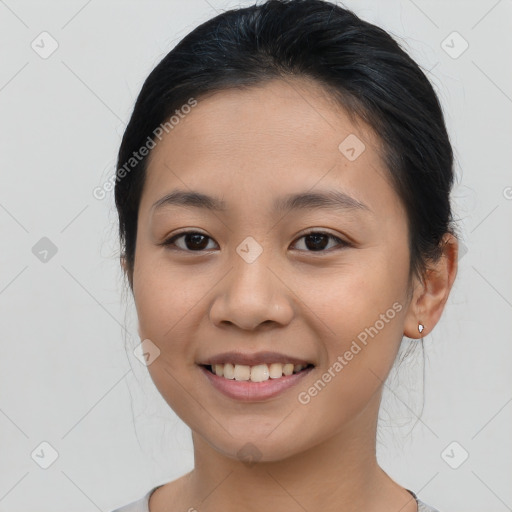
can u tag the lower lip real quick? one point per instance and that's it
(248, 391)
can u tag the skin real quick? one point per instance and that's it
(249, 147)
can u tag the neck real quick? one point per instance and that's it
(340, 473)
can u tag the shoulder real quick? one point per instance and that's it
(423, 507)
(141, 505)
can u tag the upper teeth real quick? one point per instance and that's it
(257, 373)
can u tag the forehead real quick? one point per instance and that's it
(271, 139)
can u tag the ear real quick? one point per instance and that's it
(430, 295)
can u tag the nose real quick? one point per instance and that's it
(251, 295)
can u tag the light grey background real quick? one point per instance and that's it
(65, 376)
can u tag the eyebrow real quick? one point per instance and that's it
(329, 200)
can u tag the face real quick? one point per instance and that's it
(266, 279)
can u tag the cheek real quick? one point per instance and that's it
(349, 298)
(361, 310)
(163, 293)
(165, 301)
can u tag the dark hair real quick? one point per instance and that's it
(360, 64)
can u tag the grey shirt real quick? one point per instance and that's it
(142, 505)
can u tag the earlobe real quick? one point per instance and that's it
(414, 317)
(430, 296)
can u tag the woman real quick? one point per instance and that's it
(283, 196)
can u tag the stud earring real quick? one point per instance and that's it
(421, 327)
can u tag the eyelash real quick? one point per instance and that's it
(171, 241)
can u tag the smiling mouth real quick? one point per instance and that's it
(256, 373)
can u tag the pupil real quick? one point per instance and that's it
(196, 241)
(317, 243)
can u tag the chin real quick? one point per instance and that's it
(263, 446)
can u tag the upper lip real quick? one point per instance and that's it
(253, 359)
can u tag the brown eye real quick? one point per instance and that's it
(317, 241)
(193, 241)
